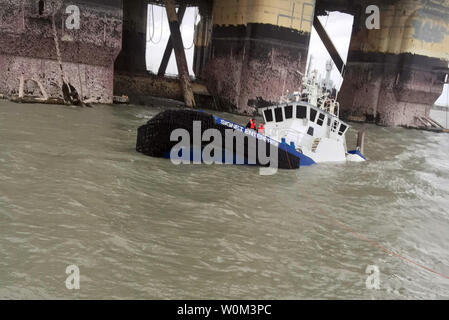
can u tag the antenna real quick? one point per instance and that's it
(310, 65)
(327, 81)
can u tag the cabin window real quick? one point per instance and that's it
(278, 114)
(301, 112)
(329, 122)
(342, 129)
(41, 7)
(335, 126)
(310, 131)
(313, 114)
(321, 118)
(288, 112)
(268, 115)
(305, 97)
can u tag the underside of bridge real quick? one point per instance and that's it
(247, 52)
(258, 48)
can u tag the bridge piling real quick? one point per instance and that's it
(395, 74)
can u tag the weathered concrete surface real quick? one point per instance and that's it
(203, 34)
(395, 74)
(257, 50)
(91, 81)
(27, 46)
(392, 92)
(202, 39)
(139, 87)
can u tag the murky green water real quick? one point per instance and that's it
(74, 191)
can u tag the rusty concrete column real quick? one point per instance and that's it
(132, 58)
(396, 73)
(258, 48)
(178, 46)
(202, 38)
(203, 34)
(27, 47)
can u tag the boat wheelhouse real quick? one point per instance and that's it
(309, 121)
(308, 128)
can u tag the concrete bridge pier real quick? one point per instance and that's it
(203, 37)
(258, 50)
(31, 31)
(396, 73)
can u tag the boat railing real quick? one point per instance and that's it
(331, 106)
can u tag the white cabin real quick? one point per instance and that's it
(309, 120)
(318, 134)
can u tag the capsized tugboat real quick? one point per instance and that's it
(308, 120)
(303, 129)
(155, 139)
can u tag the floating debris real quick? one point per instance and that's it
(121, 99)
